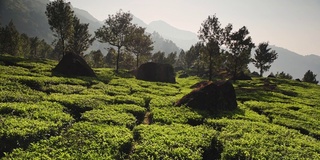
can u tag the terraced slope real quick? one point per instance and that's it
(118, 117)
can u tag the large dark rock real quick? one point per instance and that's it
(156, 72)
(73, 65)
(218, 96)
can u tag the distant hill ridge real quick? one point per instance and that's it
(29, 17)
(293, 63)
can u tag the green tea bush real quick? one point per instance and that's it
(296, 116)
(176, 141)
(137, 111)
(183, 115)
(83, 140)
(255, 140)
(111, 117)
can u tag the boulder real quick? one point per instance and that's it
(156, 72)
(218, 96)
(72, 64)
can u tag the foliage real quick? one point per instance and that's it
(83, 140)
(115, 116)
(140, 44)
(116, 31)
(263, 57)
(310, 77)
(160, 57)
(10, 40)
(211, 34)
(60, 17)
(283, 75)
(174, 141)
(95, 59)
(239, 45)
(278, 142)
(80, 39)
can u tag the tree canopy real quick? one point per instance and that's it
(80, 39)
(140, 44)
(60, 18)
(263, 57)
(116, 32)
(310, 77)
(239, 46)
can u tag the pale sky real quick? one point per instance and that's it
(291, 24)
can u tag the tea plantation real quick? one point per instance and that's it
(118, 117)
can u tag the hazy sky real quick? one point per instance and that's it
(291, 24)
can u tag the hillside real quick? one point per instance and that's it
(183, 39)
(118, 117)
(29, 17)
(293, 63)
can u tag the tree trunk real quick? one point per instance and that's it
(235, 70)
(261, 71)
(118, 57)
(137, 61)
(210, 67)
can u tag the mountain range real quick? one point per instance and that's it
(29, 17)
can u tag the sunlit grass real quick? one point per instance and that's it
(48, 116)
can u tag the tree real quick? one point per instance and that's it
(116, 32)
(310, 77)
(10, 40)
(34, 43)
(263, 57)
(193, 54)
(171, 58)
(158, 57)
(80, 40)
(239, 46)
(181, 61)
(60, 18)
(127, 60)
(139, 43)
(283, 75)
(25, 45)
(44, 49)
(110, 58)
(211, 34)
(97, 58)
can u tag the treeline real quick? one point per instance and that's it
(220, 49)
(16, 44)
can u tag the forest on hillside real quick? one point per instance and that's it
(217, 53)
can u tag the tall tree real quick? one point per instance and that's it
(239, 50)
(34, 44)
(44, 49)
(193, 54)
(10, 40)
(60, 18)
(181, 61)
(171, 58)
(263, 57)
(211, 34)
(81, 39)
(25, 43)
(97, 58)
(116, 31)
(310, 77)
(158, 57)
(139, 43)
